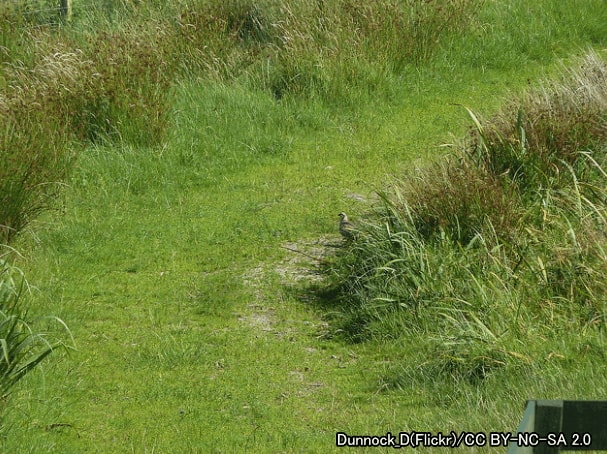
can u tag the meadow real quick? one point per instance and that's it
(170, 182)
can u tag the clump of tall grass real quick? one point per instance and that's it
(319, 47)
(509, 230)
(129, 92)
(330, 47)
(21, 348)
(34, 139)
(64, 93)
(533, 140)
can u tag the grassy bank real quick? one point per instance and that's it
(500, 240)
(195, 330)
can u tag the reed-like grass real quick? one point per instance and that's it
(533, 141)
(34, 139)
(61, 94)
(22, 348)
(505, 237)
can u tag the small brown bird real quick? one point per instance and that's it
(346, 228)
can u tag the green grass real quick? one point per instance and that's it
(22, 347)
(196, 331)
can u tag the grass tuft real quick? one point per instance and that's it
(507, 231)
(21, 348)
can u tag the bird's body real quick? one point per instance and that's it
(346, 228)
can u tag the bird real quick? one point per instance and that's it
(346, 228)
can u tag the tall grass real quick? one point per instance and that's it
(505, 237)
(314, 48)
(34, 139)
(63, 87)
(535, 140)
(59, 94)
(21, 348)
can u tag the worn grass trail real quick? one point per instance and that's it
(191, 335)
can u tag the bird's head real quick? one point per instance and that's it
(343, 215)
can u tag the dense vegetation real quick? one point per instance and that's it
(161, 161)
(115, 82)
(503, 237)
